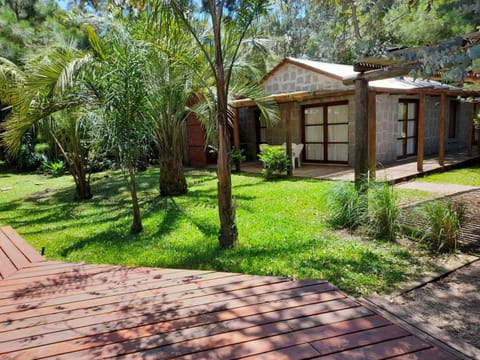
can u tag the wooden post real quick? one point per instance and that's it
(361, 132)
(372, 133)
(443, 116)
(470, 130)
(420, 132)
(288, 137)
(236, 129)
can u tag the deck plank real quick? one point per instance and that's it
(17, 258)
(67, 311)
(275, 298)
(77, 283)
(263, 343)
(170, 290)
(7, 268)
(428, 354)
(31, 254)
(405, 345)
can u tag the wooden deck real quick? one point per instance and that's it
(394, 173)
(51, 309)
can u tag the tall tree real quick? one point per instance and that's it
(27, 25)
(237, 17)
(47, 87)
(122, 82)
(172, 86)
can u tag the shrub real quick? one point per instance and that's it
(26, 157)
(445, 219)
(236, 158)
(54, 168)
(383, 212)
(275, 161)
(347, 207)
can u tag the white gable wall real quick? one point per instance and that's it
(292, 78)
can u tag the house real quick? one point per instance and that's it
(406, 116)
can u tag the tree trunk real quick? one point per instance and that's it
(361, 134)
(228, 228)
(172, 177)
(356, 27)
(137, 220)
(82, 189)
(82, 183)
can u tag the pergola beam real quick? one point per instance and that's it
(421, 133)
(361, 132)
(379, 74)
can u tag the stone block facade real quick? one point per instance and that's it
(292, 78)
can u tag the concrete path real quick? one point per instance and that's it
(444, 189)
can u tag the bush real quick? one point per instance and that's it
(54, 168)
(275, 162)
(383, 212)
(27, 158)
(347, 207)
(445, 219)
(236, 158)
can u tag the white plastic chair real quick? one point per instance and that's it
(263, 146)
(296, 151)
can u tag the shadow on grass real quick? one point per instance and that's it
(100, 227)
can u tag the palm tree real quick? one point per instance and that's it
(122, 80)
(172, 88)
(221, 44)
(50, 86)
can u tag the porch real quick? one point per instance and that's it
(399, 171)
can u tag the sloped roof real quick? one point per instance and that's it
(340, 71)
(408, 83)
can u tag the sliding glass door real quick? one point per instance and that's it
(325, 132)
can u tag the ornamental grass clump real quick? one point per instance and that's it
(445, 219)
(383, 212)
(347, 207)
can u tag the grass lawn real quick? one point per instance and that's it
(281, 224)
(465, 176)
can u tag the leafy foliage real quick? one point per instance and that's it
(54, 168)
(275, 162)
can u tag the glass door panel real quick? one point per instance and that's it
(326, 132)
(407, 128)
(314, 134)
(314, 152)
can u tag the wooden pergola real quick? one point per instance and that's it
(376, 68)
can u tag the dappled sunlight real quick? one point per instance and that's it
(282, 230)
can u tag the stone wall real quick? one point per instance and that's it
(432, 125)
(388, 130)
(464, 112)
(387, 114)
(387, 127)
(291, 78)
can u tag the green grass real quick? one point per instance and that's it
(465, 176)
(282, 227)
(407, 196)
